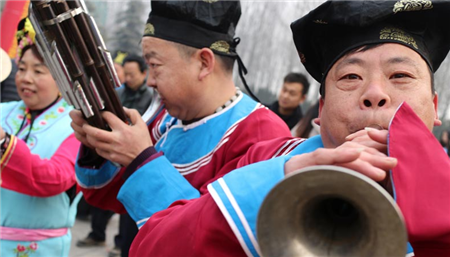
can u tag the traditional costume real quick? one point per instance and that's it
(189, 157)
(420, 26)
(428, 234)
(421, 180)
(38, 203)
(185, 157)
(228, 227)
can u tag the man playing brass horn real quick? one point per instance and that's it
(375, 61)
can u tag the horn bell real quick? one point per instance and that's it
(330, 211)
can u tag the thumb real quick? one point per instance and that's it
(113, 121)
(133, 115)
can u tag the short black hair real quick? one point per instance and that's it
(227, 62)
(34, 50)
(294, 77)
(187, 51)
(138, 59)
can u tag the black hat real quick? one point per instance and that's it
(208, 23)
(334, 28)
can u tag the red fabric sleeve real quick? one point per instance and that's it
(28, 174)
(268, 149)
(422, 184)
(193, 228)
(259, 126)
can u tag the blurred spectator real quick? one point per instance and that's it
(99, 221)
(135, 93)
(292, 94)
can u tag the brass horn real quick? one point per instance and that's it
(330, 211)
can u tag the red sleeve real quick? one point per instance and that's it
(269, 149)
(259, 126)
(27, 173)
(422, 184)
(193, 228)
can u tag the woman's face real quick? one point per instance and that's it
(35, 84)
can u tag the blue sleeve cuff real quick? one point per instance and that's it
(240, 193)
(96, 178)
(154, 187)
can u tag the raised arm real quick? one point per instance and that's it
(28, 173)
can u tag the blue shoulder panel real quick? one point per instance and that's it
(240, 193)
(165, 184)
(178, 141)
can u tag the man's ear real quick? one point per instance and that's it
(321, 103)
(208, 62)
(303, 98)
(317, 121)
(437, 121)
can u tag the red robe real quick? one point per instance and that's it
(260, 125)
(422, 186)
